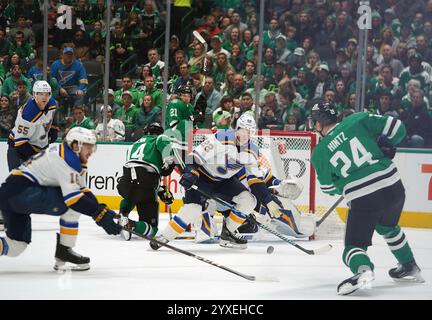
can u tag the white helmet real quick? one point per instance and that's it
(80, 135)
(41, 86)
(246, 121)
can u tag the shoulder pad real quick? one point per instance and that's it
(70, 158)
(31, 111)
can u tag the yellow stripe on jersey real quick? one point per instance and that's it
(73, 200)
(36, 149)
(53, 107)
(175, 226)
(69, 231)
(227, 142)
(207, 175)
(62, 151)
(195, 172)
(253, 181)
(37, 117)
(85, 81)
(268, 176)
(20, 143)
(242, 177)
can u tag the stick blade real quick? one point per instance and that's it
(323, 249)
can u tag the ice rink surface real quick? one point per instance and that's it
(131, 270)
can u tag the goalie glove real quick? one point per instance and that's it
(288, 188)
(165, 195)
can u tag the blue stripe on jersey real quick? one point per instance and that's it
(180, 222)
(70, 157)
(67, 224)
(241, 174)
(30, 110)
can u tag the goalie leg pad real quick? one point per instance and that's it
(245, 202)
(186, 215)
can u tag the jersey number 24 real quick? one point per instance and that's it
(359, 156)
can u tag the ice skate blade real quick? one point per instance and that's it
(418, 278)
(62, 267)
(228, 244)
(364, 282)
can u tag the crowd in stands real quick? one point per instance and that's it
(310, 52)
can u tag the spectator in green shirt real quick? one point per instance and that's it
(80, 119)
(11, 83)
(127, 114)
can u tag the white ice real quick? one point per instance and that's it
(130, 270)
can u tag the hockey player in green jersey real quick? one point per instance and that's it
(354, 158)
(181, 117)
(146, 161)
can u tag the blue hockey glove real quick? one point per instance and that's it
(189, 179)
(104, 218)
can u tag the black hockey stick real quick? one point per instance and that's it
(329, 211)
(266, 228)
(190, 254)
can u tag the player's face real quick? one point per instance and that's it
(86, 151)
(242, 136)
(42, 99)
(186, 97)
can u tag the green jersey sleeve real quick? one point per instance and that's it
(389, 126)
(163, 145)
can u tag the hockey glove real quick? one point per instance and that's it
(165, 195)
(386, 146)
(104, 218)
(189, 179)
(288, 188)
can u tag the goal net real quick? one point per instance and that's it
(288, 154)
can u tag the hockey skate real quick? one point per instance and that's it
(124, 222)
(154, 245)
(361, 280)
(230, 239)
(408, 272)
(65, 254)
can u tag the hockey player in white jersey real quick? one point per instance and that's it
(216, 163)
(53, 182)
(292, 222)
(33, 128)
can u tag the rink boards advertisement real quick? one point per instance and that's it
(415, 166)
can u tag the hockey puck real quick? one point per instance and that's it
(270, 249)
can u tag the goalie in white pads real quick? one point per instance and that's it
(292, 222)
(216, 162)
(53, 183)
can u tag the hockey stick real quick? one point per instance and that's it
(329, 211)
(268, 229)
(190, 254)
